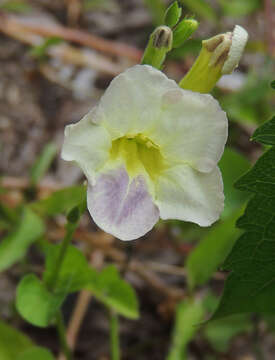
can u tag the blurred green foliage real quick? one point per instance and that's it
(15, 245)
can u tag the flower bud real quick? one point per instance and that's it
(219, 55)
(159, 44)
(163, 38)
(183, 31)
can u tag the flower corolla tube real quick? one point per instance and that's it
(149, 150)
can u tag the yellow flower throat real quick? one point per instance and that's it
(139, 154)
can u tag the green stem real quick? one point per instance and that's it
(53, 281)
(62, 336)
(70, 229)
(114, 336)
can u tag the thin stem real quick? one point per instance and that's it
(114, 336)
(60, 326)
(53, 281)
(70, 229)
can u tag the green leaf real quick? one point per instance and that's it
(250, 285)
(212, 250)
(35, 303)
(189, 314)
(13, 247)
(61, 201)
(201, 8)
(272, 84)
(260, 179)
(232, 166)
(172, 14)
(114, 292)
(266, 133)
(35, 353)
(239, 7)
(43, 162)
(12, 342)
(183, 31)
(74, 273)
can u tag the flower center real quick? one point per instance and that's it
(139, 153)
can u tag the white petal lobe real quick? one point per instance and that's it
(239, 40)
(87, 144)
(185, 194)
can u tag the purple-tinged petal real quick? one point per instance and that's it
(121, 206)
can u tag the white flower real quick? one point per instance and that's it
(149, 149)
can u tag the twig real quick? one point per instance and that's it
(66, 53)
(76, 36)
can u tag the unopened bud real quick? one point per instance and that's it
(159, 44)
(219, 55)
(183, 31)
(163, 38)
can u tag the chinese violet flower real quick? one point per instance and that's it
(149, 150)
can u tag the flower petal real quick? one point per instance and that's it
(132, 102)
(121, 206)
(88, 144)
(239, 40)
(192, 129)
(186, 194)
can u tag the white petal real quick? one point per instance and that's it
(239, 40)
(132, 102)
(88, 144)
(192, 129)
(186, 194)
(121, 206)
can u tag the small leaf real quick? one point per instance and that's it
(14, 246)
(35, 353)
(212, 251)
(172, 14)
(35, 303)
(272, 84)
(183, 31)
(73, 215)
(189, 314)
(266, 133)
(12, 342)
(74, 273)
(43, 163)
(61, 201)
(114, 292)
